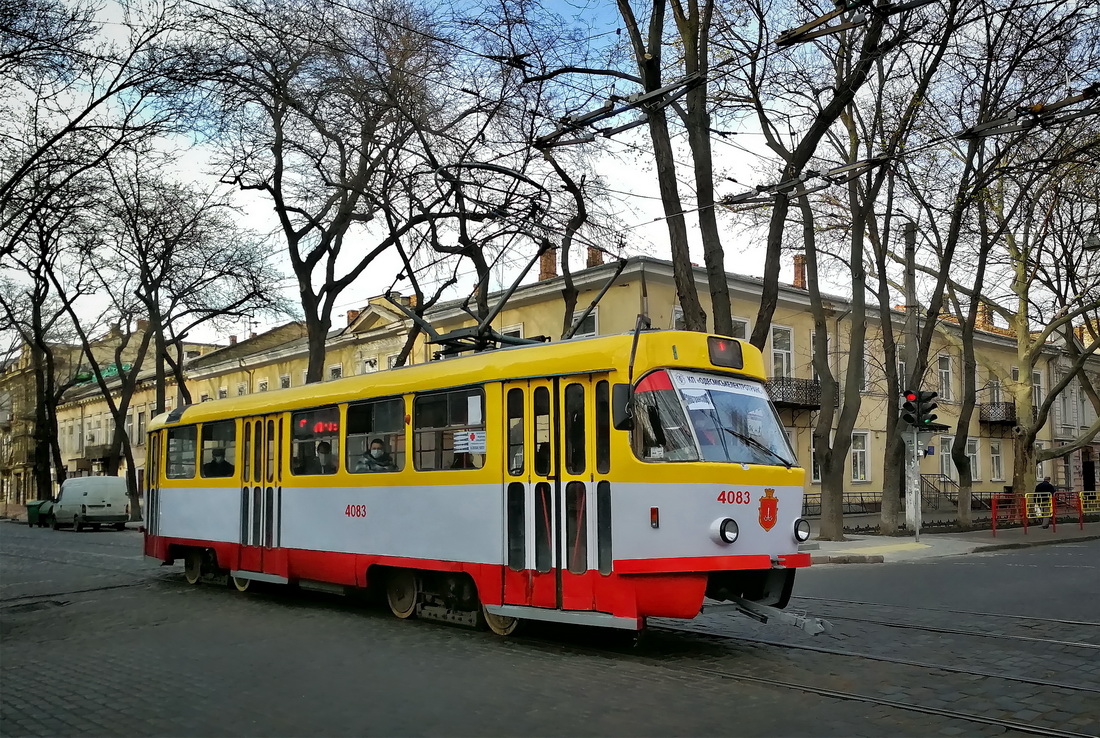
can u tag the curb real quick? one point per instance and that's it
(1033, 544)
(847, 559)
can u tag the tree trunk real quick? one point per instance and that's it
(832, 496)
(893, 485)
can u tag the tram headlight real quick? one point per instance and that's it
(802, 529)
(724, 530)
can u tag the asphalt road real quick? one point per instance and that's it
(94, 640)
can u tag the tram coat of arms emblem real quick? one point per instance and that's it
(769, 509)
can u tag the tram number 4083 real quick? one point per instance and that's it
(355, 511)
(740, 497)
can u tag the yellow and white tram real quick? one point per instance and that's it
(535, 482)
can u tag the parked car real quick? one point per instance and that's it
(89, 501)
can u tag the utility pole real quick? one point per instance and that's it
(912, 460)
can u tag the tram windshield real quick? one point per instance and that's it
(690, 416)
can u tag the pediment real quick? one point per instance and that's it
(372, 318)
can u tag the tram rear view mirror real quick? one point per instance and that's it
(621, 417)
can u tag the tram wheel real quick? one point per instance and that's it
(502, 625)
(192, 567)
(241, 583)
(401, 593)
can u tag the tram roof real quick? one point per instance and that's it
(559, 358)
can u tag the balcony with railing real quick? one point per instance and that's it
(997, 413)
(795, 393)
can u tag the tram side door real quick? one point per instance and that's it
(261, 496)
(576, 492)
(547, 493)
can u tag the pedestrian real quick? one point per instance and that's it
(1045, 487)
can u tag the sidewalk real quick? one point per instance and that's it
(875, 549)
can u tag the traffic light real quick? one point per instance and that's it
(917, 407)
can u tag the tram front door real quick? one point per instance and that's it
(551, 427)
(261, 496)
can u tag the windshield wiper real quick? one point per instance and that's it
(757, 445)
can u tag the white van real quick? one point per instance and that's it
(91, 501)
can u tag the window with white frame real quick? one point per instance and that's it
(994, 388)
(305, 377)
(223, 392)
(128, 426)
(370, 365)
(815, 468)
(996, 461)
(1065, 406)
(975, 464)
(740, 328)
(903, 377)
(141, 427)
(1036, 389)
(204, 398)
(944, 365)
(513, 331)
(336, 371)
(587, 327)
(947, 467)
(1040, 466)
(813, 353)
(261, 386)
(284, 381)
(678, 322)
(242, 389)
(865, 368)
(781, 351)
(391, 360)
(860, 471)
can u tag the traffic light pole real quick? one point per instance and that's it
(912, 485)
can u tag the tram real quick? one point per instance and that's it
(598, 481)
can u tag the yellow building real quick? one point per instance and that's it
(373, 337)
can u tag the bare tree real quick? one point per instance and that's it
(73, 98)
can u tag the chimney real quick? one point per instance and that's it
(548, 264)
(984, 321)
(800, 271)
(232, 340)
(352, 315)
(595, 257)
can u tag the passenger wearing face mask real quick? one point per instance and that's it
(376, 459)
(323, 463)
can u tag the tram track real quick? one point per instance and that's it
(993, 615)
(819, 690)
(1085, 638)
(875, 657)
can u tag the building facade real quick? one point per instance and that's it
(373, 337)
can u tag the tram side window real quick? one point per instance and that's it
(515, 431)
(449, 430)
(375, 440)
(219, 449)
(315, 441)
(181, 452)
(661, 430)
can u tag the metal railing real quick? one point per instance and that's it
(852, 503)
(794, 392)
(997, 412)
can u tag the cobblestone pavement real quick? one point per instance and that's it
(1016, 634)
(97, 641)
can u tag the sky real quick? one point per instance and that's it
(628, 176)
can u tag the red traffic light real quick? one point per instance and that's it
(910, 396)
